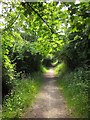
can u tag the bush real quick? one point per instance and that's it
(60, 69)
(19, 57)
(75, 88)
(7, 75)
(21, 96)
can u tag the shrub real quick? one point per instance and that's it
(21, 96)
(75, 88)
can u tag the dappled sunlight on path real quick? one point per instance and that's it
(49, 102)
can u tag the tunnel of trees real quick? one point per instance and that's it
(39, 33)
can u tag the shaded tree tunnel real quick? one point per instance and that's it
(41, 35)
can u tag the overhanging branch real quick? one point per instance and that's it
(41, 18)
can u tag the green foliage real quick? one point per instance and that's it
(19, 56)
(74, 85)
(25, 55)
(34, 31)
(43, 69)
(76, 49)
(60, 69)
(21, 96)
(7, 67)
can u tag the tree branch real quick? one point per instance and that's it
(41, 18)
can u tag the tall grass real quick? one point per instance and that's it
(74, 86)
(21, 96)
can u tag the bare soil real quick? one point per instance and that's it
(49, 102)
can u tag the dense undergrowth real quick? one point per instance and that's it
(21, 96)
(74, 85)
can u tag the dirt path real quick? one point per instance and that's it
(49, 102)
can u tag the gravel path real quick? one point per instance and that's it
(49, 102)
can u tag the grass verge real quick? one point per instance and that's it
(21, 96)
(74, 86)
